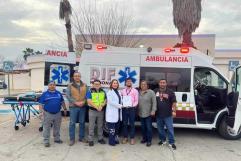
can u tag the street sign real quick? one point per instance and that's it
(233, 64)
(8, 66)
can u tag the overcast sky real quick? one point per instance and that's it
(35, 23)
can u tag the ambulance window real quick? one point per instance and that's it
(209, 78)
(178, 79)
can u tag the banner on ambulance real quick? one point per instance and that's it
(173, 60)
(107, 73)
(60, 57)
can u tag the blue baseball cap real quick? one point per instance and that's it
(51, 81)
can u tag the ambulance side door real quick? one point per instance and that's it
(234, 106)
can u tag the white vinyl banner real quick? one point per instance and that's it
(164, 60)
(60, 57)
(107, 73)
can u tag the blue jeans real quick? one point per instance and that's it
(113, 132)
(77, 114)
(168, 122)
(128, 116)
(146, 129)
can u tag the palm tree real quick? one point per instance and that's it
(27, 52)
(186, 18)
(65, 11)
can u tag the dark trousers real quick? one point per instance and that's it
(113, 132)
(146, 129)
(128, 116)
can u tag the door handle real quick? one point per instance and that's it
(184, 97)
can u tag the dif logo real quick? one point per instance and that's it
(104, 74)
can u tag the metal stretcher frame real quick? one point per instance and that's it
(23, 111)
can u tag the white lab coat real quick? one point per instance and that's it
(112, 108)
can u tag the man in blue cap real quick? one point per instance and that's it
(51, 102)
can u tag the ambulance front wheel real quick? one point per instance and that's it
(226, 132)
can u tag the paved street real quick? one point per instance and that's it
(192, 145)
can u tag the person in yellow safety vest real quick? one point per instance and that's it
(96, 99)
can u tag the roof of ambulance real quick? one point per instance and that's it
(133, 56)
(198, 58)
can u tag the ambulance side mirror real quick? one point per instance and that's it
(184, 97)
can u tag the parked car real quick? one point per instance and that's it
(2, 85)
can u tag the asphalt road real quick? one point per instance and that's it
(192, 145)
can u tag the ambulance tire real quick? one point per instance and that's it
(224, 132)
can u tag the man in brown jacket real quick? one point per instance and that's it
(76, 95)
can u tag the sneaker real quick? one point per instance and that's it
(132, 142)
(148, 144)
(71, 142)
(101, 141)
(46, 145)
(58, 141)
(91, 143)
(173, 146)
(143, 141)
(161, 143)
(124, 141)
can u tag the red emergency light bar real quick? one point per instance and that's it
(184, 50)
(168, 50)
(100, 46)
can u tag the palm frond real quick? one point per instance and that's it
(186, 15)
(65, 9)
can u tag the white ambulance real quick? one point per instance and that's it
(205, 98)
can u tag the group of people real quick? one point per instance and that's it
(115, 107)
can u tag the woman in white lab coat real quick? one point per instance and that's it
(113, 112)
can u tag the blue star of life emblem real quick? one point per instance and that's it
(127, 73)
(60, 74)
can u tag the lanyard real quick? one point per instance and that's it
(127, 93)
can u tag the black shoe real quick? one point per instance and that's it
(91, 143)
(117, 142)
(148, 144)
(112, 144)
(173, 146)
(83, 141)
(161, 143)
(46, 145)
(102, 141)
(143, 141)
(58, 141)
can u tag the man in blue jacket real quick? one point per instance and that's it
(51, 102)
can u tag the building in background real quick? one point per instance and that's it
(204, 42)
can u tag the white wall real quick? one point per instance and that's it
(222, 58)
(37, 79)
(19, 81)
(36, 65)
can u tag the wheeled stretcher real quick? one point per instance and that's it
(23, 111)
